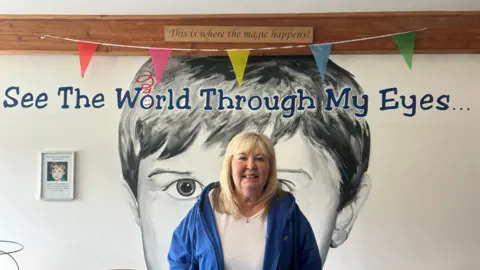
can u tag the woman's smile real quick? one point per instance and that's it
(250, 176)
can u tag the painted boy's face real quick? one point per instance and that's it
(167, 189)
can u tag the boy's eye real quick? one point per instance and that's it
(184, 189)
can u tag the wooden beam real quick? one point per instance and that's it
(447, 32)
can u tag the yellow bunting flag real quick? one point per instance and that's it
(239, 62)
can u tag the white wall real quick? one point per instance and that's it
(422, 211)
(421, 214)
(96, 231)
(121, 7)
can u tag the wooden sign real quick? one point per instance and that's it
(238, 34)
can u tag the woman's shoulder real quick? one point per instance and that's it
(284, 195)
(283, 200)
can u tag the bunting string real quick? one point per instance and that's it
(219, 50)
(405, 41)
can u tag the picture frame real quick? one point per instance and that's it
(57, 175)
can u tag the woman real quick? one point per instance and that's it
(245, 221)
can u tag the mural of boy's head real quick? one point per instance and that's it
(58, 171)
(169, 156)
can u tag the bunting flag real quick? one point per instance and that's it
(406, 43)
(159, 59)
(321, 53)
(86, 51)
(239, 62)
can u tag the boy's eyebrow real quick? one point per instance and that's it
(161, 171)
(301, 171)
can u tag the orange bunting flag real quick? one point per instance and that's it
(239, 62)
(86, 51)
(159, 59)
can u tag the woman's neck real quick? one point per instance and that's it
(250, 206)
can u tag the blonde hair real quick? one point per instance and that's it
(224, 199)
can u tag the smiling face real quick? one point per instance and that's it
(250, 172)
(167, 189)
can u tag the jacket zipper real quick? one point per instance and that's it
(220, 266)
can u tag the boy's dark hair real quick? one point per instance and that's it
(345, 137)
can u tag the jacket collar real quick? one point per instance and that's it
(203, 199)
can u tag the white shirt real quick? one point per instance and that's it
(243, 240)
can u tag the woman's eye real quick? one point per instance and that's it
(286, 185)
(184, 189)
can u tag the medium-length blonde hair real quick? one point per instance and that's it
(224, 198)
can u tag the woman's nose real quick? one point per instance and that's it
(251, 163)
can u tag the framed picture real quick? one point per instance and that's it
(57, 175)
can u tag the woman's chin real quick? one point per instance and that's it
(251, 186)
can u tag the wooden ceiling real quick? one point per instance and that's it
(446, 32)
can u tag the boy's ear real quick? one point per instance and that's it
(132, 201)
(348, 215)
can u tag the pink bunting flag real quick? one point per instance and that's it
(86, 51)
(159, 58)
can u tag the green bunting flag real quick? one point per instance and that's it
(406, 43)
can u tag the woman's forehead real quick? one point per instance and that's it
(248, 148)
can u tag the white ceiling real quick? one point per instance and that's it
(118, 7)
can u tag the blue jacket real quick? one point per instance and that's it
(290, 240)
